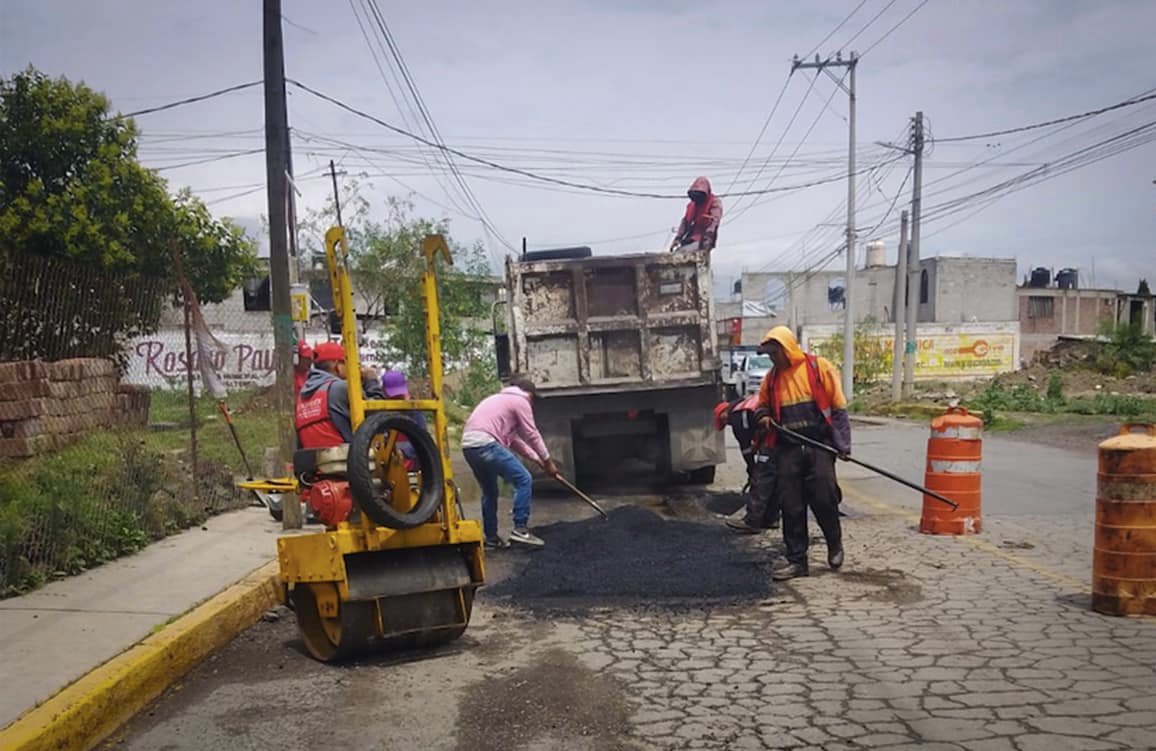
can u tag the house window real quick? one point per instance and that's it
(923, 295)
(837, 294)
(1041, 307)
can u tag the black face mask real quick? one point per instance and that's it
(697, 197)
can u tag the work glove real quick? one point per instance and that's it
(550, 468)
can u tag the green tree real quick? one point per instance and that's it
(71, 187)
(873, 353)
(386, 265)
(1125, 349)
(1143, 289)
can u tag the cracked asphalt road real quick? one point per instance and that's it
(918, 643)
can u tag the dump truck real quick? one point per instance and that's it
(624, 354)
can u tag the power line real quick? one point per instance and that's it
(762, 132)
(806, 135)
(1048, 123)
(398, 103)
(891, 31)
(191, 100)
(395, 50)
(835, 30)
(868, 25)
(538, 177)
(735, 211)
(209, 160)
(779, 99)
(388, 174)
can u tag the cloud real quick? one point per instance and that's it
(685, 81)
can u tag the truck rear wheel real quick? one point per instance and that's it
(701, 476)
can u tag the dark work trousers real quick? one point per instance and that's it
(762, 500)
(806, 477)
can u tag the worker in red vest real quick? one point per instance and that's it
(322, 417)
(700, 222)
(803, 394)
(762, 508)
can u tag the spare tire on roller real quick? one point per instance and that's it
(369, 499)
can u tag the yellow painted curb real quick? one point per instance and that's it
(87, 711)
(913, 516)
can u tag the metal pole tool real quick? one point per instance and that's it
(573, 489)
(865, 465)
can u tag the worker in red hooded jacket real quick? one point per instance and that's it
(699, 227)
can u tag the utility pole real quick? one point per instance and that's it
(276, 174)
(851, 63)
(913, 270)
(899, 310)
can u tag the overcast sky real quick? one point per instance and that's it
(644, 95)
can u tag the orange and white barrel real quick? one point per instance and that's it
(1124, 555)
(954, 454)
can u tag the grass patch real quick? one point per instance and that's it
(996, 399)
(113, 491)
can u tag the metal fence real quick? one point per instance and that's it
(99, 426)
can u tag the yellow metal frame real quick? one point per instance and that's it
(319, 557)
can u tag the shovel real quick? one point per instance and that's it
(573, 489)
(877, 470)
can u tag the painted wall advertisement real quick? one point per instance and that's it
(246, 360)
(943, 351)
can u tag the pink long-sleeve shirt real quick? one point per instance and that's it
(507, 417)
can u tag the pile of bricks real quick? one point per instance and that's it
(47, 405)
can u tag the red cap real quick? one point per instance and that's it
(304, 350)
(721, 414)
(329, 352)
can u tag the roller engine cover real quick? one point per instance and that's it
(331, 501)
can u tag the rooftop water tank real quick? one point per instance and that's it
(1040, 278)
(876, 254)
(1068, 279)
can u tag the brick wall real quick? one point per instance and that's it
(47, 405)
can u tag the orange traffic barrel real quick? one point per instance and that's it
(1124, 556)
(954, 451)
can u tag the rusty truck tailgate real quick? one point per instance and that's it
(613, 322)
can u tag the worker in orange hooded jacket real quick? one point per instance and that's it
(698, 229)
(803, 394)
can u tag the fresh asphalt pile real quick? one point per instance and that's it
(635, 559)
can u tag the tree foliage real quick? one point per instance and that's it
(1143, 290)
(71, 188)
(386, 265)
(873, 354)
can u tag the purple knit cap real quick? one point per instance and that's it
(394, 385)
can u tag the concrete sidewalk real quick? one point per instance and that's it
(55, 635)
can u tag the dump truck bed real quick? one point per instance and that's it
(613, 323)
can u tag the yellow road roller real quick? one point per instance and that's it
(397, 565)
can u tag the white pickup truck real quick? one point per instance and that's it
(750, 373)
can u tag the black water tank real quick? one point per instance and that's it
(1040, 278)
(1068, 279)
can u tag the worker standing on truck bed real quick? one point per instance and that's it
(501, 422)
(322, 416)
(803, 394)
(762, 508)
(699, 227)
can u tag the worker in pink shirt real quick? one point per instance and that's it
(503, 423)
